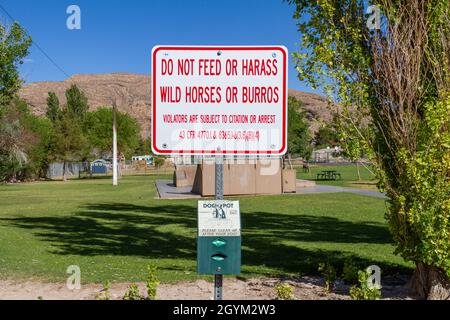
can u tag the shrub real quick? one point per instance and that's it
(104, 293)
(284, 291)
(329, 275)
(151, 283)
(365, 291)
(158, 162)
(133, 293)
(350, 271)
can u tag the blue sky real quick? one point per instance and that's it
(117, 36)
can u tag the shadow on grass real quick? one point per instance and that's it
(169, 232)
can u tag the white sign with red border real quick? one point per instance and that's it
(214, 99)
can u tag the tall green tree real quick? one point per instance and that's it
(397, 76)
(326, 136)
(77, 102)
(69, 141)
(98, 128)
(299, 140)
(14, 47)
(53, 108)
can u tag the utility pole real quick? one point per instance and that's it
(114, 145)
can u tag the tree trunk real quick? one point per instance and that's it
(289, 161)
(430, 283)
(357, 170)
(64, 171)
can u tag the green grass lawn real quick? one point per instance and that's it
(348, 174)
(114, 233)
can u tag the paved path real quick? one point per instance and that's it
(167, 190)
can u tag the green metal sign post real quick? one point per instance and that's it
(219, 235)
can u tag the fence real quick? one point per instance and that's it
(73, 169)
(83, 169)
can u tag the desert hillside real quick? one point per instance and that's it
(132, 95)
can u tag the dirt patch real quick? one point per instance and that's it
(305, 288)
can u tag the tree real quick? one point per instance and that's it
(13, 156)
(53, 108)
(40, 153)
(352, 146)
(68, 140)
(144, 147)
(353, 151)
(77, 103)
(23, 147)
(38, 135)
(298, 135)
(14, 45)
(158, 161)
(397, 76)
(326, 136)
(98, 128)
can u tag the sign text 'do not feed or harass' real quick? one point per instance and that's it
(231, 99)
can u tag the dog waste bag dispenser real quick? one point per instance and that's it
(219, 237)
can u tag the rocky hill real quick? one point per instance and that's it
(131, 92)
